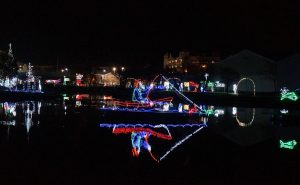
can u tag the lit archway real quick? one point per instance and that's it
(247, 79)
(243, 124)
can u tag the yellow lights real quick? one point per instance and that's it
(204, 66)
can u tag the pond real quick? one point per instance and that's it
(79, 140)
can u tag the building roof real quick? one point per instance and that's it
(247, 53)
(291, 59)
(247, 62)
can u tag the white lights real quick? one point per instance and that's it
(218, 84)
(234, 89)
(234, 110)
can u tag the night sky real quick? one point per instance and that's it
(135, 32)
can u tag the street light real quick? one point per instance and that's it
(123, 68)
(114, 69)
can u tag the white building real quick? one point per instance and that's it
(107, 79)
(254, 66)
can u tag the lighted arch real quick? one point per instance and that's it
(242, 124)
(249, 79)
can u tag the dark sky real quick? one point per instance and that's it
(136, 31)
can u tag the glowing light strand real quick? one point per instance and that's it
(109, 125)
(242, 124)
(140, 129)
(243, 79)
(289, 144)
(289, 95)
(179, 143)
(180, 93)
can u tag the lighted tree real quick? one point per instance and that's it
(8, 66)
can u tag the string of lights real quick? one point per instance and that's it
(181, 94)
(242, 124)
(179, 143)
(123, 125)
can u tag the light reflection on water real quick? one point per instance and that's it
(245, 126)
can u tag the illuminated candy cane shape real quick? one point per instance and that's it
(242, 124)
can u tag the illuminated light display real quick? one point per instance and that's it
(234, 110)
(167, 85)
(181, 94)
(208, 112)
(234, 87)
(242, 124)
(288, 145)
(179, 143)
(194, 85)
(247, 79)
(140, 135)
(139, 140)
(10, 109)
(78, 79)
(289, 95)
(55, 82)
(179, 107)
(219, 112)
(141, 129)
(166, 126)
(284, 111)
(218, 84)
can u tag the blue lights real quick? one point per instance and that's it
(124, 125)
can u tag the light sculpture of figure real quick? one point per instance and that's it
(180, 107)
(286, 94)
(288, 145)
(140, 140)
(140, 136)
(234, 89)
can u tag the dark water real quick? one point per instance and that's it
(60, 142)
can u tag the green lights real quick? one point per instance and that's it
(209, 112)
(289, 95)
(210, 84)
(288, 145)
